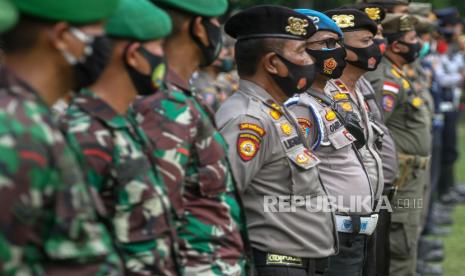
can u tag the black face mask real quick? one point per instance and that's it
(148, 84)
(329, 63)
(215, 42)
(413, 51)
(298, 80)
(382, 44)
(97, 53)
(368, 58)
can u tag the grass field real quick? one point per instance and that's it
(455, 244)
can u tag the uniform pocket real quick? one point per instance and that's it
(402, 235)
(139, 210)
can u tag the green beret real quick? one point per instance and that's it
(423, 9)
(8, 15)
(139, 20)
(73, 11)
(209, 8)
(398, 23)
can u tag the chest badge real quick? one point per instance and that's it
(286, 129)
(346, 106)
(417, 102)
(330, 115)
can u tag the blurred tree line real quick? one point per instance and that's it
(323, 5)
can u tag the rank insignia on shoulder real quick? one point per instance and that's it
(417, 102)
(388, 102)
(287, 129)
(340, 96)
(341, 85)
(405, 84)
(275, 114)
(305, 126)
(391, 87)
(346, 106)
(330, 115)
(253, 127)
(248, 146)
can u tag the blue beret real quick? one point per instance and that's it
(322, 21)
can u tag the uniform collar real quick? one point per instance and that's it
(16, 86)
(176, 80)
(393, 66)
(98, 108)
(255, 91)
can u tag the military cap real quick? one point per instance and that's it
(423, 24)
(447, 16)
(269, 21)
(352, 20)
(8, 15)
(209, 8)
(322, 21)
(375, 12)
(73, 11)
(423, 9)
(398, 23)
(389, 2)
(131, 18)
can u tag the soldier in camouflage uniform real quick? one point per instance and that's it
(407, 116)
(191, 153)
(48, 225)
(116, 155)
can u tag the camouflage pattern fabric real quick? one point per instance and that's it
(116, 157)
(191, 155)
(48, 224)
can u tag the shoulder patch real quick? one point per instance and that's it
(391, 87)
(253, 127)
(248, 146)
(388, 102)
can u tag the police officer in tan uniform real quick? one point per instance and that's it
(335, 146)
(284, 200)
(406, 116)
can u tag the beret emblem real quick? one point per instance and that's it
(344, 20)
(297, 26)
(373, 13)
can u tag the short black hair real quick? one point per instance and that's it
(24, 35)
(249, 52)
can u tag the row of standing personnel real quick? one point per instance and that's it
(137, 176)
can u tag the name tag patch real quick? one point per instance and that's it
(275, 259)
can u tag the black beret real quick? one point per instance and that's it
(269, 21)
(352, 20)
(375, 12)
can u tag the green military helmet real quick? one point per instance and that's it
(209, 8)
(138, 20)
(398, 23)
(8, 15)
(73, 11)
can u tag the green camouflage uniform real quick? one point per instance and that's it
(191, 155)
(116, 157)
(48, 225)
(407, 117)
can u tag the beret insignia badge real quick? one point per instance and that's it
(344, 20)
(297, 26)
(373, 13)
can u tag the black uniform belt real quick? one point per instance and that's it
(262, 258)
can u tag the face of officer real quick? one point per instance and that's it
(327, 50)
(145, 65)
(290, 67)
(407, 47)
(362, 51)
